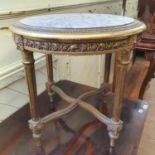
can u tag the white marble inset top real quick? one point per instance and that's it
(77, 26)
(76, 20)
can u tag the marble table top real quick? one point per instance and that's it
(77, 26)
(76, 21)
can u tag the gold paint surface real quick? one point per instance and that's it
(76, 34)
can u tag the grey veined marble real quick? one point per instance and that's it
(76, 20)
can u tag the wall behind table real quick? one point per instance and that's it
(132, 10)
(18, 5)
(87, 69)
(65, 67)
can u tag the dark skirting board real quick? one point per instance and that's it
(77, 133)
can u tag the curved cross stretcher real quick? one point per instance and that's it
(112, 126)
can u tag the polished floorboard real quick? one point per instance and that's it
(77, 133)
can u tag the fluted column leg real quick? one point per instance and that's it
(122, 59)
(107, 67)
(28, 62)
(49, 66)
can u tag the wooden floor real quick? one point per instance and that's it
(78, 133)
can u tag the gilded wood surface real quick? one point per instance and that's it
(102, 40)
(98, 47)
(49, 66)
(28, 61)
(111, 32)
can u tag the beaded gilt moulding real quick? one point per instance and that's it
(76, 33)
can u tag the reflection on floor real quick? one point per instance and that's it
(147, 145)
(77, 133)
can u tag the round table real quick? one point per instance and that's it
(75, 34)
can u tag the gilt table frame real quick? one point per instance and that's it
(118, 40)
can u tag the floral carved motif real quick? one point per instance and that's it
(19, 42)
(48, 45)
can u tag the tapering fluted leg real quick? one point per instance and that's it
(123, 59)
(107, 67)
(28, 62)
(49, 66)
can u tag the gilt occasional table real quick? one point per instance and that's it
(75, 34)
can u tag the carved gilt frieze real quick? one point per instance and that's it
(19, 42)
(49, 45)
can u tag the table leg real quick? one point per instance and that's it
(114, 74)
(49, 66)
(122, 60)
(107, 67)
(28, 62)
